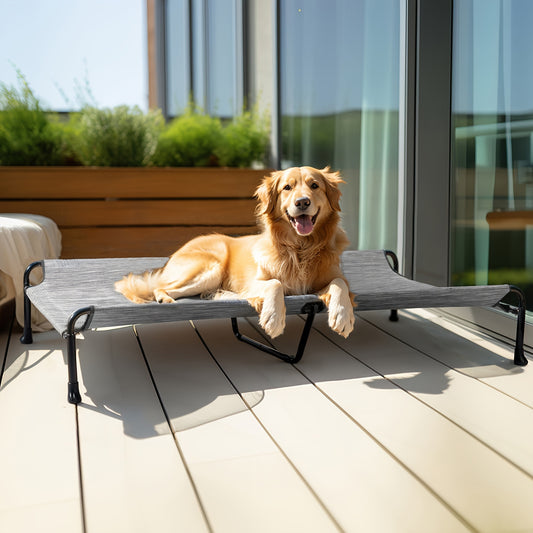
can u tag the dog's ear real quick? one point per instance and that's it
(267, 193)
(333, 180)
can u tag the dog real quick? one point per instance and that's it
(297, 252)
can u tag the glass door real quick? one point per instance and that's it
(340, 105)
(492, 144)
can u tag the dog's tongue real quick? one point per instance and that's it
(303, 224)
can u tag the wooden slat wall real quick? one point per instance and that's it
(123, 212)
(136, 241)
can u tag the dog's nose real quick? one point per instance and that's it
(302, 203)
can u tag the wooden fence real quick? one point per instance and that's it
(122, 212)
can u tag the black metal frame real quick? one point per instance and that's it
(27, 337)
(519, 356)
(70, 334)
(310, 309)
(393, 317)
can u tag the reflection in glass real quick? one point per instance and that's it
(492, 181)
(177, 56)
(204, 56)
(339, 90)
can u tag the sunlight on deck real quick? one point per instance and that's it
(416, 426)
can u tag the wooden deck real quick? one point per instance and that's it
(423, 425)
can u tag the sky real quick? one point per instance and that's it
(62, 46)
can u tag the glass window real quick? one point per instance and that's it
(492, 180)
(224, 58)
(339, 90)
(204, 55)
(178, 73)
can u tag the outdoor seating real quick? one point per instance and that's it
(78, 294)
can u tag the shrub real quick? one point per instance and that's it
(27, 136)
(189, 141)
(196, 139)
(244, 141)
(69, 131)
(119, 137)
(124, 136)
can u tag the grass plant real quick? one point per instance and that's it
(119, 137)
(124, 136)
(27, 135)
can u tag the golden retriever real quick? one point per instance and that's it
(297, 252)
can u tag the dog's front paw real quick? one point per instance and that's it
(273, 323)
(272, 317)
(341, 319)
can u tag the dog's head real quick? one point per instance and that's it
(303, 197)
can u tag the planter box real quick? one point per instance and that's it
(126, 212)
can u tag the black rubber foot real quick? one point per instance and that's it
(520, 358)
(74, 393)
(26, 337)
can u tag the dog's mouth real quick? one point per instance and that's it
(303, 224)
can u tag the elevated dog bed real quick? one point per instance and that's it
(76, 295)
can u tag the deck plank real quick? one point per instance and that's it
(501, 422)
(362, 485)
(133, 477)
(39, 488)
(474, 353)
(423, 427)
(400, 398)
(243, 479)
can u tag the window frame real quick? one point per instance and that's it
(432, 168)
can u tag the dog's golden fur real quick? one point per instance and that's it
(297, 252)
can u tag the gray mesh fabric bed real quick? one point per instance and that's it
(79, 294)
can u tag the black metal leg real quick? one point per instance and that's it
(519, 357)
(310, 310)
(73, 386)
(27, 337)
(393, 317)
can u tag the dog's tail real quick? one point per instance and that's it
(139, 288)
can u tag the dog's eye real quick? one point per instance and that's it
(287, 188)
(314, 185)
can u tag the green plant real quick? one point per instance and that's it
(244, 141)
(189, 141)
(119, 137)
(123, 136)
(27, 136)
(66, 130)
(197, 139)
